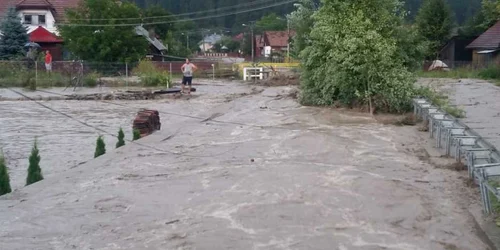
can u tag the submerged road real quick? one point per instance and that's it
(249, 168)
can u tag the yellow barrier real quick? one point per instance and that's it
(267, 64)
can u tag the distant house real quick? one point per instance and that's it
(486, 47)
(40, 17)
(48, 41)
(275, 41)
(455, 53)
(208, 42)
(156, 47)
(39, 13)
(238, 37)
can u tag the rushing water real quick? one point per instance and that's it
(63, 142)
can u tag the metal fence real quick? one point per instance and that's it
(466, 146)
(81, 73)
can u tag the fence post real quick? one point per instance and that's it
(36, 74)
(213, 72)
(126, 75)
(170, 71)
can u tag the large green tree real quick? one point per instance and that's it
(14, 36)
(104, 40)
(301, 21)
(162, 18)
(271, 22)
(4, 177)
(34, 170)
(488, 15)
(435, 22)
(354, 58)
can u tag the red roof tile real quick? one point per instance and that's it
(41, 35)
(61, 5)
(490, 39)
(277, 38)
(34, 4)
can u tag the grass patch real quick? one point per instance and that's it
(441, 101)
(28, 79)
(495, 203)
(491, 73)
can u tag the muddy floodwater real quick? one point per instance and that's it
(63, 142)
(234, 167)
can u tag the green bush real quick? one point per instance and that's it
(121, 137)
(492, 72)
(145, 67)
(34, 170)
(91, 80)
(100, 147)
(354, 57)
(136, 135)
(156, 79)
(4, 177)
(151, 76)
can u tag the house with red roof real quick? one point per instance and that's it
(275, 41)
(486, 47)
(40, 18)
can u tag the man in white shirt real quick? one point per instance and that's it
(187, 71)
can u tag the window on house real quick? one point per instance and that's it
(41, 19)
(27, 19)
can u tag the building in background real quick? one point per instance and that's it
(208, 42)
(156, 48)
(40, 17)
(275, 42)
(486, 47)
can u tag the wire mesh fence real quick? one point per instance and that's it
(32, 74)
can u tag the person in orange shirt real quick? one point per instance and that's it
(48, 62)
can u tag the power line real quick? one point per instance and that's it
(113, 135)
(248, 4)
(180, 20)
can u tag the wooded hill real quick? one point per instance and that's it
(463, 9)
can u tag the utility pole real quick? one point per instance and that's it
(253, 49)
(187, 39)
(252, 39)
(288, 41)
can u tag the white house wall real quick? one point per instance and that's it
(49, 20)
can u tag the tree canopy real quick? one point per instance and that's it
(301, 21)
(435, 22)
(487, 16)
(271, 22)
(14, 36)
(353, 57)
(106, 42)
(161, 15)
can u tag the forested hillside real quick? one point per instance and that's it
(463, 9)
(225, 6)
